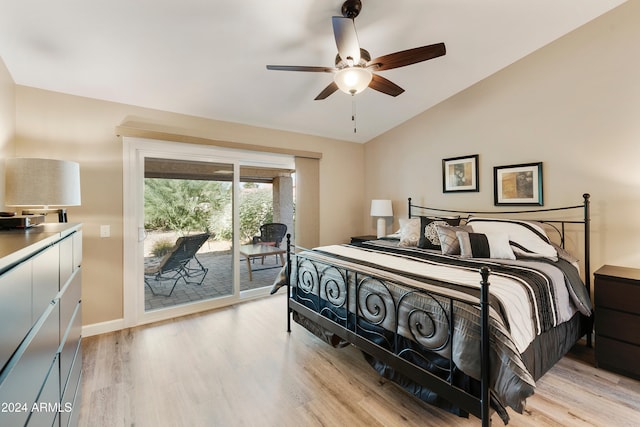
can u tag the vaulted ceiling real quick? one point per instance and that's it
(207, 58)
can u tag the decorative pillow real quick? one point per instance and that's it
(478, 245)
(395, 235)
(448, 239)
(429, 239)
(564, 254)
(409, 231)
(527, 238)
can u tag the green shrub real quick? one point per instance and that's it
(162, 247)
(256, 208)
(182, 205)
(190, 205)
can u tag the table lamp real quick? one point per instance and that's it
(381, 209)
(41, 183)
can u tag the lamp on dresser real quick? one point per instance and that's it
(381, 209)
(42, 183)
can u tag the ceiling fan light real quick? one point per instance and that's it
(353, 80)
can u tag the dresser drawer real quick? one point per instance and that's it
(68, 303)
(77, 249)
(72, 391)
(29, 367)
(618, 356)
(45, 409)
(619, 325)
(45, 282)
(618, 294)
(69, 347)
(66, 260)
(15, 309)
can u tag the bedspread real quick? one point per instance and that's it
(421, 295)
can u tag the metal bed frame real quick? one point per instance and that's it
(342, 287)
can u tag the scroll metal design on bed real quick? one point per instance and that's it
(335, 286)
(343, 302)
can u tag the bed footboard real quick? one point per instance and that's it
(400, 327)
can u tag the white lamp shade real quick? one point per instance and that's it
(353, 80)
(381, 208)
(41, 182)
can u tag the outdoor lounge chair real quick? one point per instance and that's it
(179, 263)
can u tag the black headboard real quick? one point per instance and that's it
(539, 215)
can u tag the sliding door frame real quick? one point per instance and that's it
(135, 150)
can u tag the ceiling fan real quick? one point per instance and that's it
(354, 69)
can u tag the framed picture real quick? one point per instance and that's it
(518, 184)
(460, 174)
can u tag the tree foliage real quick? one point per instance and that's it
(182, 205)
(189, 205)
(256, 208)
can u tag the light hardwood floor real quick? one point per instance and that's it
(238, 367)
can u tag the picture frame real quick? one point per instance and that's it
(518, 184)
(460, 174)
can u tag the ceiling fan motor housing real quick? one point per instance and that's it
(351, 8)
(365, 57)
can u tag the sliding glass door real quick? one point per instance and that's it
(188, 231)
(193, 220)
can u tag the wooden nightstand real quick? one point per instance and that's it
(617, 301)
(360, 239)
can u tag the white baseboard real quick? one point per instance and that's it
(103, 327)
(172, 313)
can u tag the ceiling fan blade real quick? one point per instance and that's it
(407, 57)
(344, 30)
(301, 68)
(386, 86)
(327, 91)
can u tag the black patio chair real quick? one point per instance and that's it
(272, 234)
(179, 263)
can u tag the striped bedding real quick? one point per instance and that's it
(528, 298)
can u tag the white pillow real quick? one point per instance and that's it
(527, 238)
(480, 245)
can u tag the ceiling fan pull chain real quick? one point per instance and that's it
(353, 111)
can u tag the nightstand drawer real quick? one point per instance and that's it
(617, 294)
(618, 325)
(618, 357)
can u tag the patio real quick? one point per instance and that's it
(217, 282)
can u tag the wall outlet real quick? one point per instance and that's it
(105, 231)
